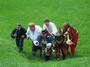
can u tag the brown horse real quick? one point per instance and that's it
(60, 46)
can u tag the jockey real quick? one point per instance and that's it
(33, 32)
(72, 36)
(45, 40)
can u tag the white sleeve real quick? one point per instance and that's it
(29, 35)
(39, 29)
(54, 29)
(44, 27)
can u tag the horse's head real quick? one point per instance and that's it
(59, 39)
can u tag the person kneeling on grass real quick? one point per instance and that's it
(33, 32)
(19, 34)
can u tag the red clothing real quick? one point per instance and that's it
(73, 35)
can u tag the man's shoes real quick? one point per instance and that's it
(34, 54)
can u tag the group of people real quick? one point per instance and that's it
(47, 39)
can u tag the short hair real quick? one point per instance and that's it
(46, 20)
(19, 25)
(66, 24)
(31, 24)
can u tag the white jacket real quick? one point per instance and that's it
(34, 35)
(51, 28)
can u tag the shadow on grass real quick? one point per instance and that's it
(37, 58)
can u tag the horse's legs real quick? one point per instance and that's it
(57, 51)
(40, 51)
(47, 53)
(50, 51)
(63, 53)
(67, 49)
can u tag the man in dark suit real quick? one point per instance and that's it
(19, 34)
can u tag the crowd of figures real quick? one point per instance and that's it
(47, 39)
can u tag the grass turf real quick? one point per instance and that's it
(76, 12)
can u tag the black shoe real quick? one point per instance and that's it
(64, 58)
(20, 50)
(68, 52)
(47, 58)
(34, 54)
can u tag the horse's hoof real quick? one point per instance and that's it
(47, 58)
(58, 59)
(63, 58)
(68, 52)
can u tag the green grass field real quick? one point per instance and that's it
(76, 12)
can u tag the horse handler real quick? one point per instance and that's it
(33, 32)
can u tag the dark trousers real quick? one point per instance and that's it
(19, 43)
(35, 48)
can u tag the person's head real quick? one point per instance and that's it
(44, 33)
(66, 26)
(18, 26)
(59, 39)
(46, 22)
(32, 26)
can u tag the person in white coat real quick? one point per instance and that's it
(50, 27)
(33, 32)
